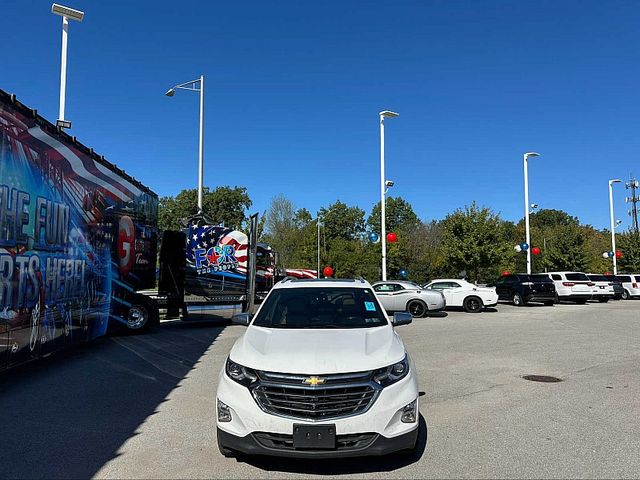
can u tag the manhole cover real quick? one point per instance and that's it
(542, 378)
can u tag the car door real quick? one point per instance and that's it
(502, 289)
(400, 297)
(456, 294)
(384, 293)
(445, 288)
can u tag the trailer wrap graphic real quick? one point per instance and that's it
(76, 238)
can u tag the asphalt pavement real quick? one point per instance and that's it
(143, 406)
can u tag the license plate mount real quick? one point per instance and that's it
(314, 437)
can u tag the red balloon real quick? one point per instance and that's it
(618, 254)
(535, 250)
(607, 273)
(392, 237)
(505, 273)
(328, 272)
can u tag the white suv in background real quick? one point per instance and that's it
(602, 289)
(572, 286)
(631, 285)
(320, 372)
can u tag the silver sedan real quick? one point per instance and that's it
(402, 296)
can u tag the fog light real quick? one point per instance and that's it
(224, 414)
(409, 413)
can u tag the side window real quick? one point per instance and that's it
(509, 279)
(385, 287)
(397, 287)
(454, 285)
(439, 286)
(555, 276)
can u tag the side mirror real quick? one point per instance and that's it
(402, 318)
(241, 319)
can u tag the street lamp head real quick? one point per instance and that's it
(531, 154)
(389, 183)
(615, 180)
(171, 92)
(70, 13)
(389, 114)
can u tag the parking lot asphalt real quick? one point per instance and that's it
(143, 406)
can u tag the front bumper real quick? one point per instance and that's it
(261, 443)
(382, 421)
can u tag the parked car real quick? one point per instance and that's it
(618, 289)
(522, 288)
(631, 286)
(318, 373)
(603, 289)
(572, 286)
(460, 293)
(403, 296)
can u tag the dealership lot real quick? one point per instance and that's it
(143, 406)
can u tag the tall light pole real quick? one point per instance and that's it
(67, 14)
(383, 226)
(526, 206)
(192, 86)
(613, 225)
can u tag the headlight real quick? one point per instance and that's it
(243, 375)
(389, 375)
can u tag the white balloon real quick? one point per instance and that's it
(517, 248)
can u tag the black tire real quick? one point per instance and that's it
(550, 303)
(141, 316)
(417, 308)
(472, 305)
(226, 452)
(517, 299)
(581, 301)
(625, 295)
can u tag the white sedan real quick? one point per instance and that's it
(460, 293)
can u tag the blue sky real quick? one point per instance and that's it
(293, 89)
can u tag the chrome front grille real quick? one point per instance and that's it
(339, 396)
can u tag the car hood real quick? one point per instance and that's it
(318, 351)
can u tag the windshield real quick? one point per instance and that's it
(321, 307)
(577, 277)
(597, 278)
(534, 278)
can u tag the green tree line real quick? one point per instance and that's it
(472, 241)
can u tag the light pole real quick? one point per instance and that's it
(318, 224)
(66, 13)
(383, 190)
(613, 225)
(526, 206)
(191, 86)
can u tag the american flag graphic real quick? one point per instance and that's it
(204, 237)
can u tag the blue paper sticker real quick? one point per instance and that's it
(370, 306)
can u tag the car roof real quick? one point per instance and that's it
(449, 280)
(400, 282)
(565, 272)
(322, 282)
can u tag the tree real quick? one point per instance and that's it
(224, 205)
(629, 244)
(399, 216)
(549, 217)
(566, 249)
(474, 241)
(342, 221)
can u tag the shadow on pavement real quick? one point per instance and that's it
(66, 416)
(361, 465)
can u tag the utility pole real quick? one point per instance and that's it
(632, 185)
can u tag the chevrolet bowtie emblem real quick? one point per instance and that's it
(313, 381)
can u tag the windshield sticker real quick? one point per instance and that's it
(370, 306)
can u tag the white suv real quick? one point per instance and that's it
(572, 286)
(319, 373)
(631, 285)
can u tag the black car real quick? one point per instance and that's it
(618, 289)
(522, 288)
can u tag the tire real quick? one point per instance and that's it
(141, 316)
(550, 303)
(472, 305)
(226, 452)
(517, 299)
(625, 295)
(581, 301)
(603, 300)
(417, 308)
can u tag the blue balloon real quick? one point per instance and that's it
(524, 246)
(373, 237)
(404, 273)
(610, 254)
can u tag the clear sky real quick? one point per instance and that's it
(293, 91)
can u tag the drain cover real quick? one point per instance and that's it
(542, 378)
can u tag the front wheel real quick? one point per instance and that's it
(472, 305)
(625, 295)
(417, 308)
(518, 301)
(139, 317)
(226, 452)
